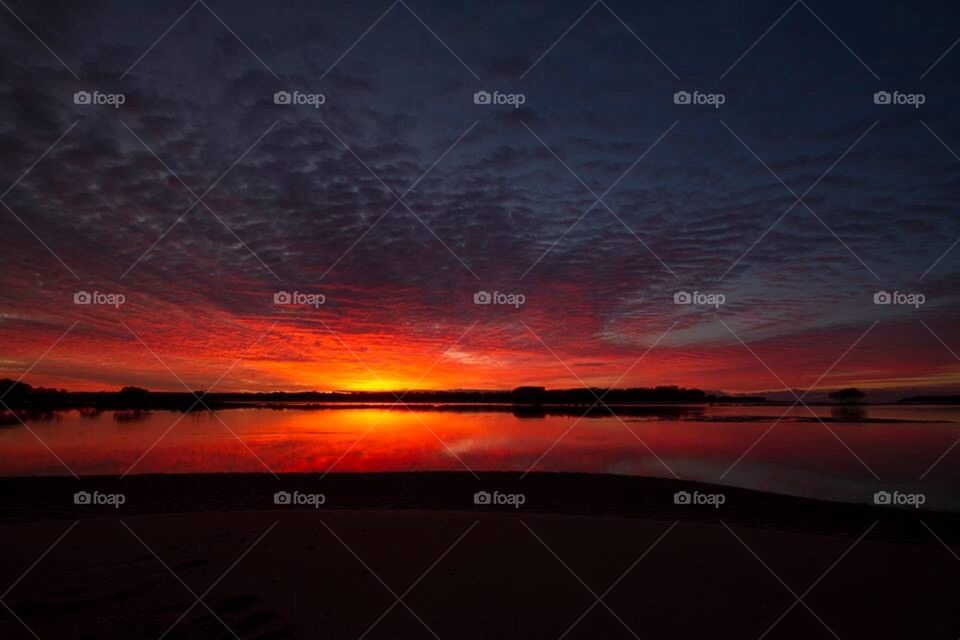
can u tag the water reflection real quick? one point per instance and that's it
(798, 456)
(135, 415)
(663, 412)
(849, 413)
(8, 418)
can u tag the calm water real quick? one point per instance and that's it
(703, 443)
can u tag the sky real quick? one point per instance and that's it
(589, 195)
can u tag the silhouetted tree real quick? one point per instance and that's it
(132, 396)
(15, 393)
(22, 395)
(528, 395)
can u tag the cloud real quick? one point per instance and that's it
(312, 205)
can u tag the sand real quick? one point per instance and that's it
(463, 571)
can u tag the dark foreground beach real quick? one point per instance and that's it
(411, 555)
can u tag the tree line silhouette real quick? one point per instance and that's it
(20, 395)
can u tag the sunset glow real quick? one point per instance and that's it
(258, 355)
(405, 234)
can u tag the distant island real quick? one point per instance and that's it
(20, 395)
